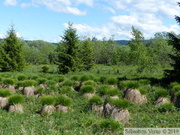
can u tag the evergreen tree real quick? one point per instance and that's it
(174, 75)
(11, 57)
(67, 56)
(86, 54)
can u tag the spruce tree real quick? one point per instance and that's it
(67, 55)
(11, 57)
(174, 74)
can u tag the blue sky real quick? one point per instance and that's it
(47, 19)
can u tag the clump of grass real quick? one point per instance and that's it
(21, 77)
(96, 100)
(119, 103)
(45, 68)
(16, 99)
(144, 81)
(110, 125)
(50, 82)
(113, 92)
(86, 77)
(175, 88)
(65, 89)
(112, 81)
(103, 79)
(41, 80)
(160, 92)
(89, 82)
(5, 93)
(178, 94)
(103, 89)
(63, 100)
(143, 91)
(68, 82)
(129, 84)
(75, 78)
(47, 100)
(166, 107)
(39, 90)
(8, 81)
(26, 83)
(87, 89)
(173, 84)
(61, 79)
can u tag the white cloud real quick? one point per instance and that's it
(86, 2)
(60, 6)
(24, 5)
(2, 36)
(10, 2)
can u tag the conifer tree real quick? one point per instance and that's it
(11, 56)
(174, 75)
(67, 57)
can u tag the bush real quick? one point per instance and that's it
(112, 81)
(89, 82)
(129, 84)
(166, 107)
(86, 77)
(103, 89)
(16, 99)
(63, 100)
(110, 125)
(8, 81)
(21, 77)
(45, 68)
(87, 89)
(47, 100)
(96, 100)
(161, 92)
(5, 92)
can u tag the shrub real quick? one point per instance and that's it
(21, 77)
(103, 89)
(75, 78)
(47, 100)
(16, 99)
(129, 84)
(112, 81)
(166, 107)
(8, 81)
(45, 68)
(161, 92)
(87, 89)
(89, 82)
(110, 125)
(41, 80)
(96, 100)
(63, 100)
(86, 77)
(5, 92)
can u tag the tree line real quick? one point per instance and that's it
(71, 53)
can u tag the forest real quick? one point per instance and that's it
(83, 85)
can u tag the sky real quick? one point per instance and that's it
(47, 19)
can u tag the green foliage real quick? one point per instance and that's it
(16, 99)
(119, 103)
(173, 84)
(47, 100)
(86, 77)
(75, 78)
(143, 91)
(39, 90)
(21, 77)
(112, 81)
(129, 84)
(61, 78)
(103, 79)
(27, 83)
(41, 80)
(103, 89)
(89, 82)
(68, 82)
(178, 94)
(11, 56)
(160, 92)
(113, 92)
(110, 125)
(45, 68)
(5, 93)
(87, 89)
(176, 88)
(96, 100)
(67, 55)
(65, 89)
(166, 107)
(8, 81)
(63, 100)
